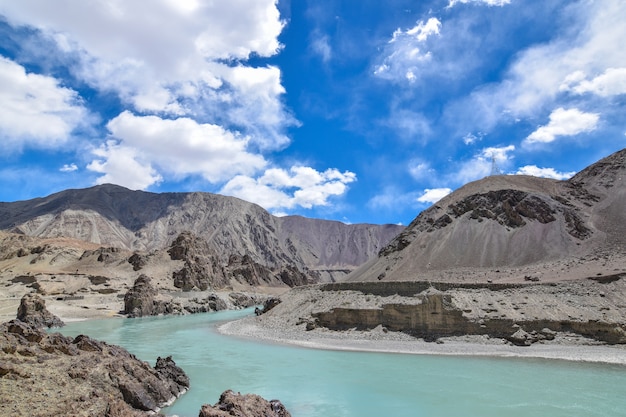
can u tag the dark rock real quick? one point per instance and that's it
(141, 299)
(201, 269)
(32, 310)
(104, 379)
(137, 261)
(269, 304)
(248, 405)
(241, 300)
(172, 375)
(87, 344)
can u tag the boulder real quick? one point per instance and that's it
(269, 304)
(247, 405)
(32, 310)
(242, 300)
(522, 338)
(141, 299)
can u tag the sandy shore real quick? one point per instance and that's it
(563, 348)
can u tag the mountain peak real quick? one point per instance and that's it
(511, 221)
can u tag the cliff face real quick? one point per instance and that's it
(113, 216)
(510, 221)
(523, 314)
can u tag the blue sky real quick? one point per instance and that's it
(358, 111)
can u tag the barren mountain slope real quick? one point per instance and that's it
(110, 215)
(515, 227)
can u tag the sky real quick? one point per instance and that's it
(357, 111)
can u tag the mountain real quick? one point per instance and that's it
(516, 226)
(507, 259)
(110, 215)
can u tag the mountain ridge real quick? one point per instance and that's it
(511, 221)
(111, 215)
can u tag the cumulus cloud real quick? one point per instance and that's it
(564, 123)
(407, 52)
(176, 147)
(432, 195)
(124, 166)
(180, 58)
(610, 83)
(535, 171)
(69, 168)
(299, 186)
(35, 110)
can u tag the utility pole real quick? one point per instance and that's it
(494, 167)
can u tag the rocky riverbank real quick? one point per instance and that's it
(44, 374)
(578, 320)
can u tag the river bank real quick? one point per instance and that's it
(563, 347)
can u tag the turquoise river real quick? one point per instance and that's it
(321, 383)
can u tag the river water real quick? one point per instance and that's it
(319, 383)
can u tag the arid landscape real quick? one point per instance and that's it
(507, 265)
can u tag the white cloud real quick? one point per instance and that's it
(487, 2)
(405, 54)
(173, 57)
(69, 168)
(432, 195)
(124, 166)
(481, 165)
(610, 83)
(497, 153)
(590, 44)
(564, 123)
(472, 138)
(35, 110)
(179, 148)
(299, 187)
(535, 171)
(421, 31)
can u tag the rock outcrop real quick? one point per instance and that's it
(231, 404)
(522, 314)
(142, 299)
(52, 374)
(201, 268)
(33, 311)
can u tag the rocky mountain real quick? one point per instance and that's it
(113, 216)
(507, 259)
(524, 226)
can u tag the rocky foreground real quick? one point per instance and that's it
(45, 374)
(48, 374)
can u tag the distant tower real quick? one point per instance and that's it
(494, 167)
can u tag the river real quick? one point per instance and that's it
(322, 383)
